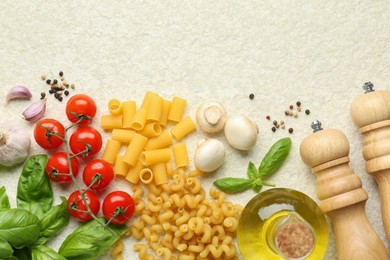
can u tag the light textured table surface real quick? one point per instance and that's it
(281, 51)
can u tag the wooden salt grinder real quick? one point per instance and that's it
(371, 113)
(341, 195)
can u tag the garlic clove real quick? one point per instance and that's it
(18, 92)
(209, 155)
(241, 132)
(35, 111)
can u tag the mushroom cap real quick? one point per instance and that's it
(241, 132)
(209, 155)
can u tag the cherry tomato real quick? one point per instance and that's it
(58, 165)
(46, 131)
(85, 141)
(100, 172)
(118, 206)
(77, 208)
(80, 107)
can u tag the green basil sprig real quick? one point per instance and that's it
(34, 190)
(256, 176)
(90, 240)
(24, 230)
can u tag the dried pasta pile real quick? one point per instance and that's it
(176, 218)
(179, 222)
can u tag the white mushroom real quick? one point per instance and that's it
(241, 132)
(209, 155)
(211, 116)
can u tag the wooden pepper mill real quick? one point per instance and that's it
(371, 113)
(341, 195)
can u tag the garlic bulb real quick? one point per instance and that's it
(209, 155)
(241, 132)
(14, 144)
(211, 116)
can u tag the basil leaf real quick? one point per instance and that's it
(252, 172)
(45, 253)
(4, 202)
(6, 250)
(18, 227)
(54, 221)
(275, 157)
(22, 254)
(34, 190)
(233, 184)
(90, 240)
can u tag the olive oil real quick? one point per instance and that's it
(269, 213)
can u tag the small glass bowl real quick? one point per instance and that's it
(275, 222)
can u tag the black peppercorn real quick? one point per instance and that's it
(66, 92)
(298, 103)
(51, 91)
(290, 130)
(48, 82)
(56, 95)
(55, 81)
(59, 98)
(43, 95)
(61, 74)
(307, 111)
(251, 96)
(273, 129)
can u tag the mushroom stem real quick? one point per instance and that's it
(213, 115)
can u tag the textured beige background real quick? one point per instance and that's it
(282, 51)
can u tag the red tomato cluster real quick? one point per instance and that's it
(85, 141)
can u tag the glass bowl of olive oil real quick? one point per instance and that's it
(282, 223)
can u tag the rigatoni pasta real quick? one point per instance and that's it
(109, 122)
(176, 111)
(122, 135)
(151, 129)
(160, 173)
(155, 156)
(121, 168)
(115, 107)
(134, 149)
(183, 128)
(133, 173)
(165, 107)
(139, 120)
(162, 141)
(181, 155)
(129, 109)
(154, 108)
(111, 151)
